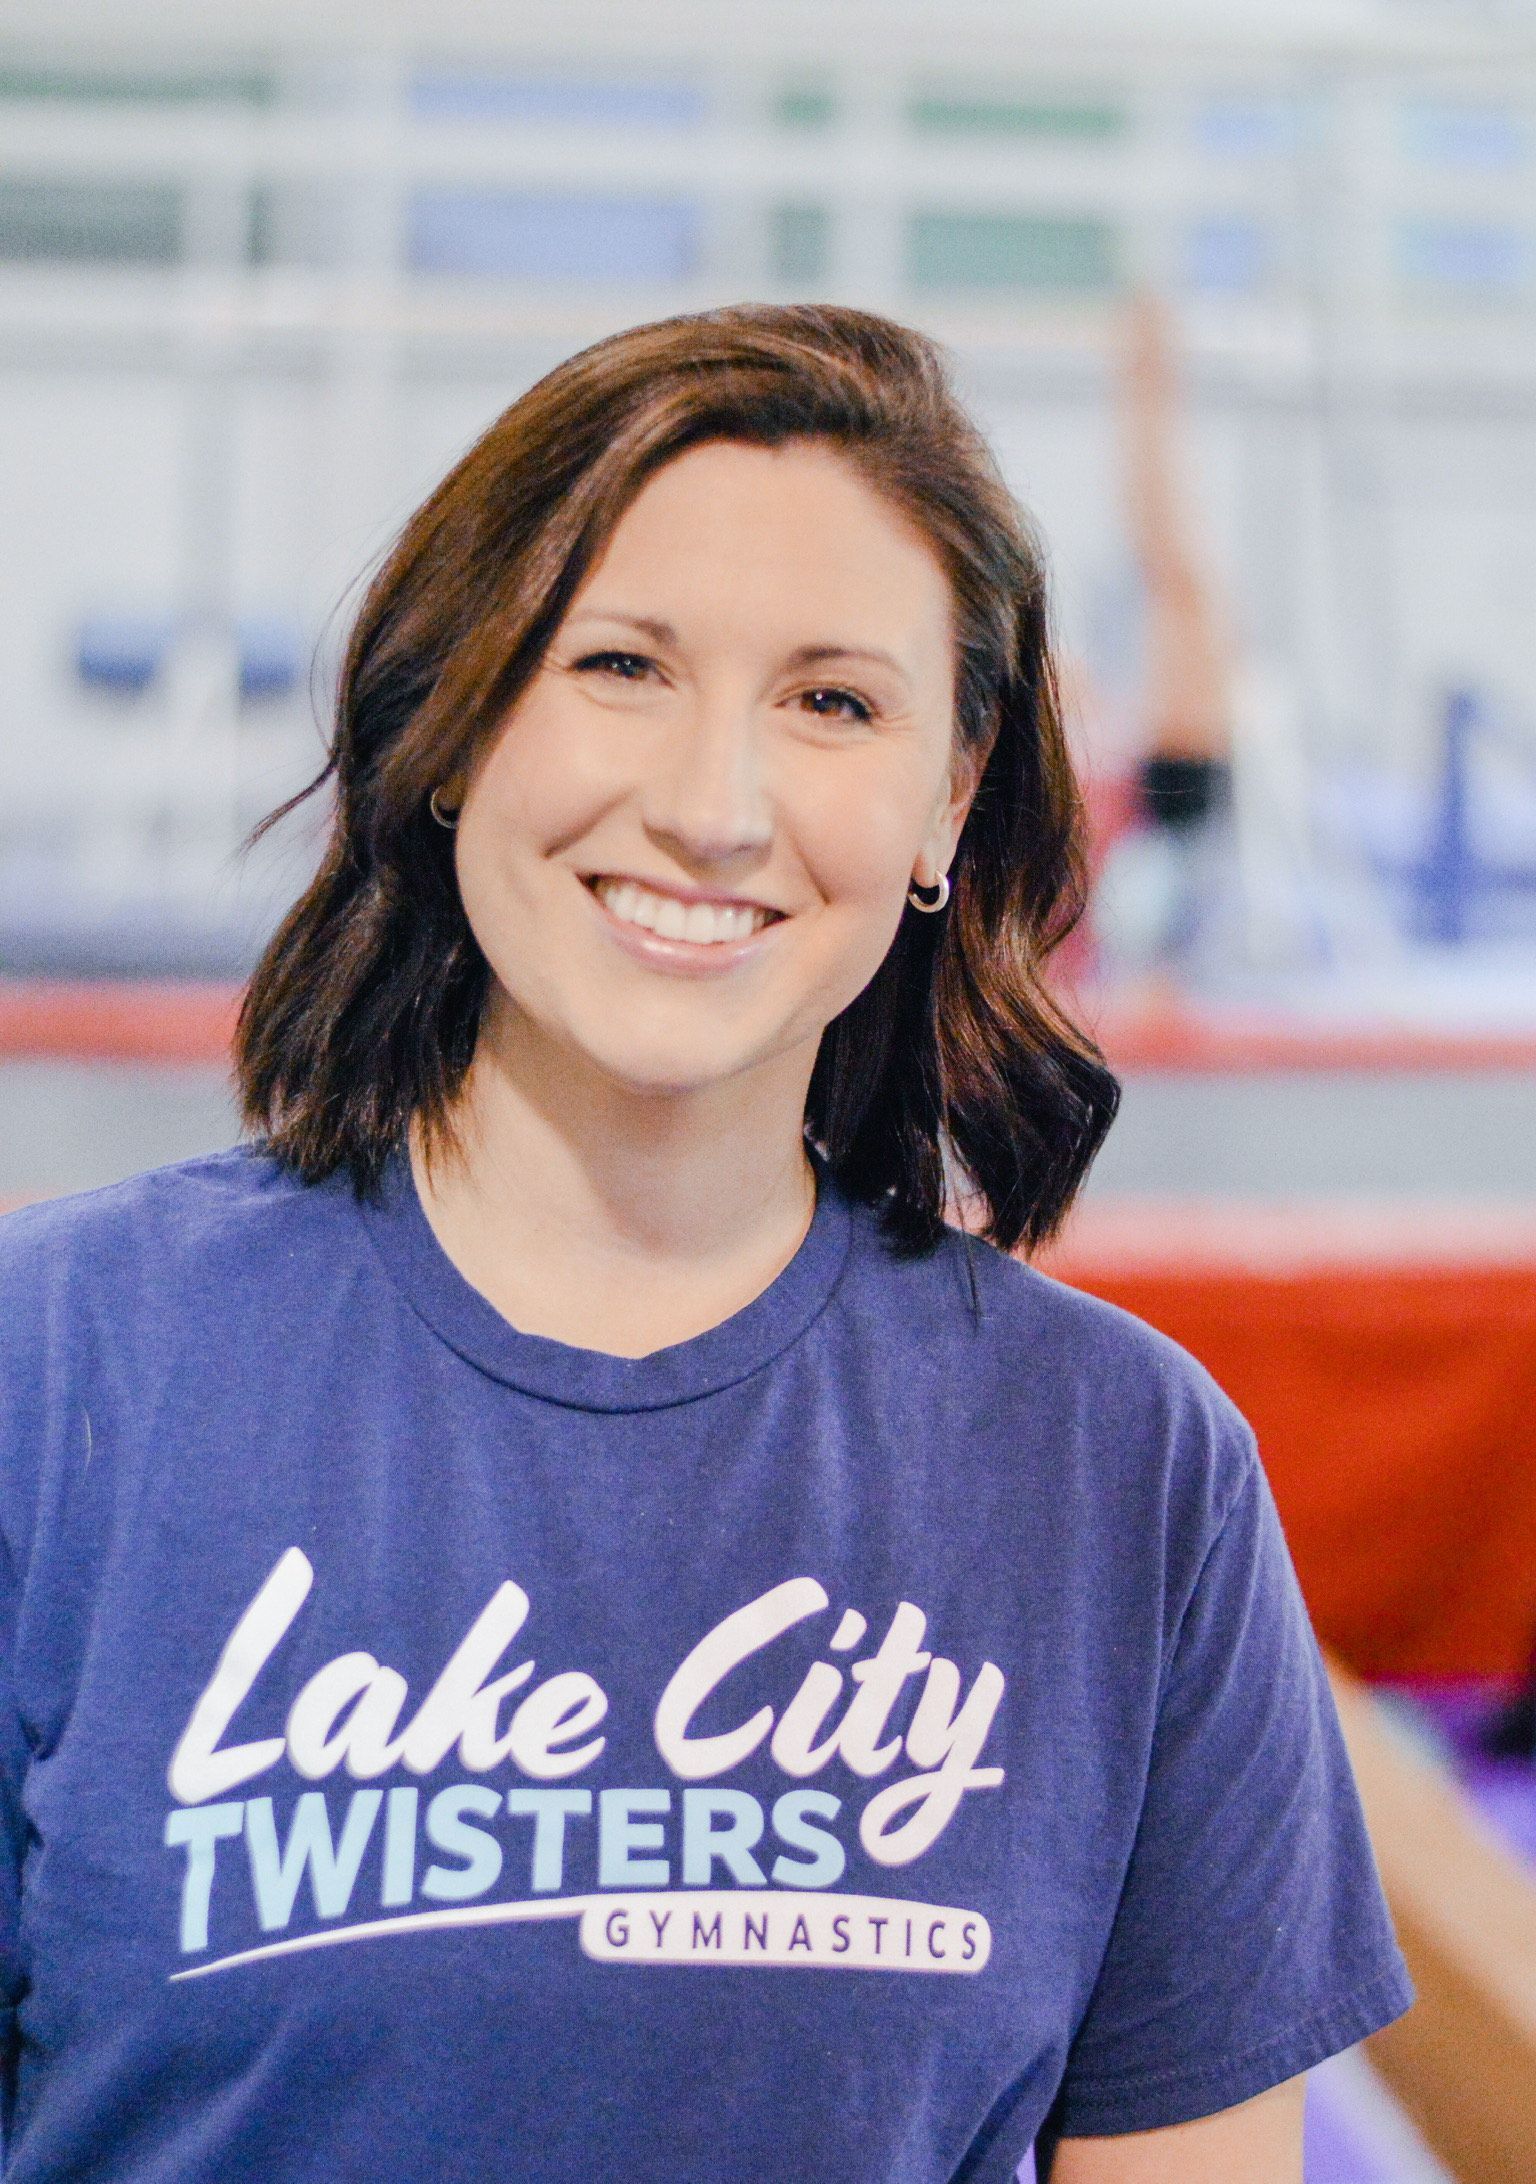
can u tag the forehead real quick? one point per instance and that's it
(792, 531)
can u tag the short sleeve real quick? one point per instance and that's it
(1251, 1939)
(13, 1829)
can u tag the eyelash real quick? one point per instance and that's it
(623, 663)
(615, 662)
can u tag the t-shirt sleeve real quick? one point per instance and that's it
(13, 1828)
(1251, 1939)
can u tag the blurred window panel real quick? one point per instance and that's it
(461, 94)
(270, 239)
(1006, 251)
(297, 223)
(805, 106)
(1248, 125)
(192, 84)
(1455, 133)
(1466, 258)
(1228, 255)
(90, 223)
(122, 655)
(799, 243)
(524, 237)
(271, 654)
(983, 114)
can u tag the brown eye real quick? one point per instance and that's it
(833, 704)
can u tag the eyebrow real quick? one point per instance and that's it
(662, 633)
(815, 655)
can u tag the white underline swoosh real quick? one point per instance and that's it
(411, 1922)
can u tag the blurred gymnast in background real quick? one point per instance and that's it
(1163, 893)
(560, 1620)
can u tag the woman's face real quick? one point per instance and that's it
(689, 846)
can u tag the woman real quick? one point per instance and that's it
(561, 1622)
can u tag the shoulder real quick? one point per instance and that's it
(965, 1293)
(1120, 1407)
(159, 1288)
(172, 1230)
(200, 1198)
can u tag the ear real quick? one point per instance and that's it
(950, 814)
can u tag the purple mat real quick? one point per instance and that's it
(1336, 2149)
(1448, 1719)
(1355, 2133)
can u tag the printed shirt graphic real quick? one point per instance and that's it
(840, 1747)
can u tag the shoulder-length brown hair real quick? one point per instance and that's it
(955, 1065)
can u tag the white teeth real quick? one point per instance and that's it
(703, 924)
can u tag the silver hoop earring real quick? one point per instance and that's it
(919, 900)
(444, 819)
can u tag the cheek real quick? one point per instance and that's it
(535, 789)
(861, 836)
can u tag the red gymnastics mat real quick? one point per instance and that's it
(180, 1021)
(116, 1021)
(1387, 1360)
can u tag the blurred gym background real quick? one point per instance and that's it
(1246, 298)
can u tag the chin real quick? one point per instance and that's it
(653, 1063)
(670, 1076)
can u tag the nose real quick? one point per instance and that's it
(705, 799)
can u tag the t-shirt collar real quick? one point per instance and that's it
(592, 1379)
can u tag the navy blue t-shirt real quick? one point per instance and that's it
(834, 1748)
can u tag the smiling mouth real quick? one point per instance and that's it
(702, 924)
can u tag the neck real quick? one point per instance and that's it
(612, 1219)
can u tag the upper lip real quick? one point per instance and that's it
(681, 891)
